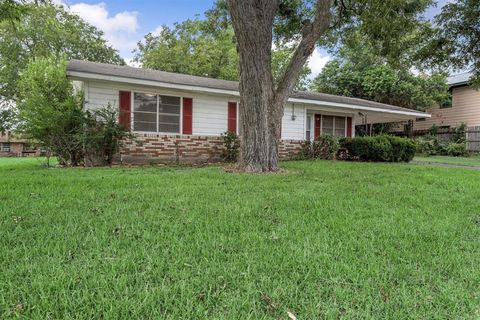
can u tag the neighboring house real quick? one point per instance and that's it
(179, 117)
(11, 145)
(464, 106)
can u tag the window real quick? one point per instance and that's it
(156, 113)
(339, 130)
(447, 103)
(5, 147)
(421, 119)
(327, 124)
(308, 133)
(332, 125)
(168, 114)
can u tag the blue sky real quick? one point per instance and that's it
(125, 22)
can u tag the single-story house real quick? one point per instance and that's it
(178, 117)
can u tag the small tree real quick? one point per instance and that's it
(103, 136)
(49, 110)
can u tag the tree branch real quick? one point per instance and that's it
(312, 31)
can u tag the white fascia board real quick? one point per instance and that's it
(88, 75)
(94, 76)
(357, 107)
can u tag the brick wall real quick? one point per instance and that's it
(154, 148)
(289, 149)
(15, 150)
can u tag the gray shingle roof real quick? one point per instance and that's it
(459, 79)
(183, 79)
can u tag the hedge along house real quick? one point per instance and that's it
(177, 117)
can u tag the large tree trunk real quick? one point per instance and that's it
(261, 104)
(252, 21)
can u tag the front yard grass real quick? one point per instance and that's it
(323, 240)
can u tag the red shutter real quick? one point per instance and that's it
(187, 115)
(124, 117)
(232, 117)
(318, 124)
(349, 126)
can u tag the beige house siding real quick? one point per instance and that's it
(465, 108)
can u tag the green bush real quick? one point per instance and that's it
(51, 113)
(457, 149)
(382, 148)
(232, 146)
(49, 110)
(426, 145)
(103, 136)
(324, 147)
(431, 145)
(460, 133)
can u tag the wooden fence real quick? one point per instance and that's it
(472, 135)
(473, 138)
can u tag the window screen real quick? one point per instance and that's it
(327, 125)
(156, 113)
(339, 127)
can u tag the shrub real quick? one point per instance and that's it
(457, 149)
(49, 110)
(431, 145)
(460, 133)
(103, 136)
(232, 146)
(382, 148)
(324, 147)
(403, 150)
(51, 113)
(426, 145)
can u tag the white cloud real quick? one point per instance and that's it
(157, 31)
(317, 62)
(120, 29)
(130, 62)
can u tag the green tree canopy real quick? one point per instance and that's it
(41, 30)
(456, 42)
(357, 71)
(49, 110)
(205, 48)
(191, 47)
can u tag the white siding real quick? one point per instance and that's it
(293, 129)
(209, 112)
(210, 115)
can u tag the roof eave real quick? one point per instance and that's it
(81, 75)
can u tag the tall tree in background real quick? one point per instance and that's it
(205, 48)
(196, 47)
(40, 29)
(457, 41)
(358, 71)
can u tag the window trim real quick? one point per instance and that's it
(308, 127)
(322, 113)
(333, 127)
(157, 94)
(3, 148)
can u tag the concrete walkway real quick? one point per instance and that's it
(444, 165)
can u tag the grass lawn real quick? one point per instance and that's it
(325, 240)
(473, 161)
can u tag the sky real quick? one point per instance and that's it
(125, 22)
